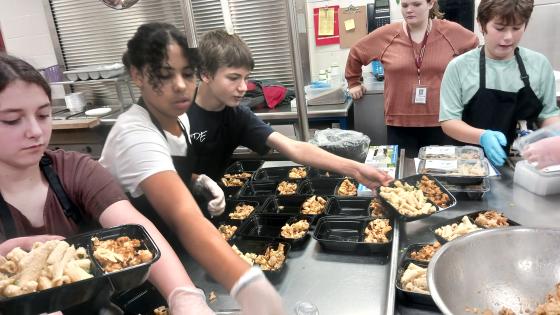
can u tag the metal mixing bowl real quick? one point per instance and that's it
(513, 267)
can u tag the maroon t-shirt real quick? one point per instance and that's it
(88, 185)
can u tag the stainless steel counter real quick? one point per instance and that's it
(515, 202)
(316, 111)
(348, 284)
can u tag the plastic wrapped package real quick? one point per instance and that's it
(346, 143)
(549, 131)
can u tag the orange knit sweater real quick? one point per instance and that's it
(390, 44)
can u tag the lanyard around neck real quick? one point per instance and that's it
(418, 60)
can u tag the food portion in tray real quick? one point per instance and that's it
(464, 168)
(376, 208)
(434, 192)
(287, 188)
(347, 188)
(242, 211)
(47, 265)
(377, 230)
(414, 279)
(117, 254)
(295, 230)
(271, 260)
(235, 180)
(227, 231)
(314, 205)
(407, 200)
(426, 252)
(451, 152)
(452, 231)
(491, 219)
(297, 172)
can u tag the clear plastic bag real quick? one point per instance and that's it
(346, 143)
(549, 131)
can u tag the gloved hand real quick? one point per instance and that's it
(256, 295)
(544, 152)
(493, 143)
(217, 205)
(187, 301)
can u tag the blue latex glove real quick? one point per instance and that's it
(493, 143)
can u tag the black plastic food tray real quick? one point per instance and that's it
(414, 179)
(292, 205)
(68, 295)
(317, 173)
(357, 206)
(323, 186)
(269, 227)
(346, 234)
(408, 296)
(259, 247)
(244, 166)
(231, 191)
(414, 248)
(277, 173)
(473, 216)
(353, 181)
(230, 207)
(411, 180)
(457, 220)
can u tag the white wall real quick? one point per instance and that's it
(322, 57)
(26, 33)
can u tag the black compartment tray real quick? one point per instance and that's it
(68, 295)
(346, 234)
(292, 205)
(269, 227)
(409, 296)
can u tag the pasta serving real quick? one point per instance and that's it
(47, 265)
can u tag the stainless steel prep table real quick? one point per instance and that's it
(335, 283)
(346, 284)
(515, 202)
(338, 112)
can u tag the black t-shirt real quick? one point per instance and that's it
(215, 135)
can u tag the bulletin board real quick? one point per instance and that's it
(321, 40)
(352, 25)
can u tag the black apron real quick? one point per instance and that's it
(71, 211)
(184, 168)
(499, 110)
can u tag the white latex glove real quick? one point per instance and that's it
(256, 295)
(217, 205)
(544, 152)
(188, 301)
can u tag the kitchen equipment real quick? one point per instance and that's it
(541, 182)
(513, 267)
(100, 111)
(75, 102)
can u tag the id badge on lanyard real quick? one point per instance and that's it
(420, 94)
(419, 91)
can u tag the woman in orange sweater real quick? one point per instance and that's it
(414, 54)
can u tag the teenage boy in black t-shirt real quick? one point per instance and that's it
(218, 124)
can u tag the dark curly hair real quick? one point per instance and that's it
(148, 48)
(12, 69)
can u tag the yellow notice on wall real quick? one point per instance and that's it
(326, 21)
(349, 25)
